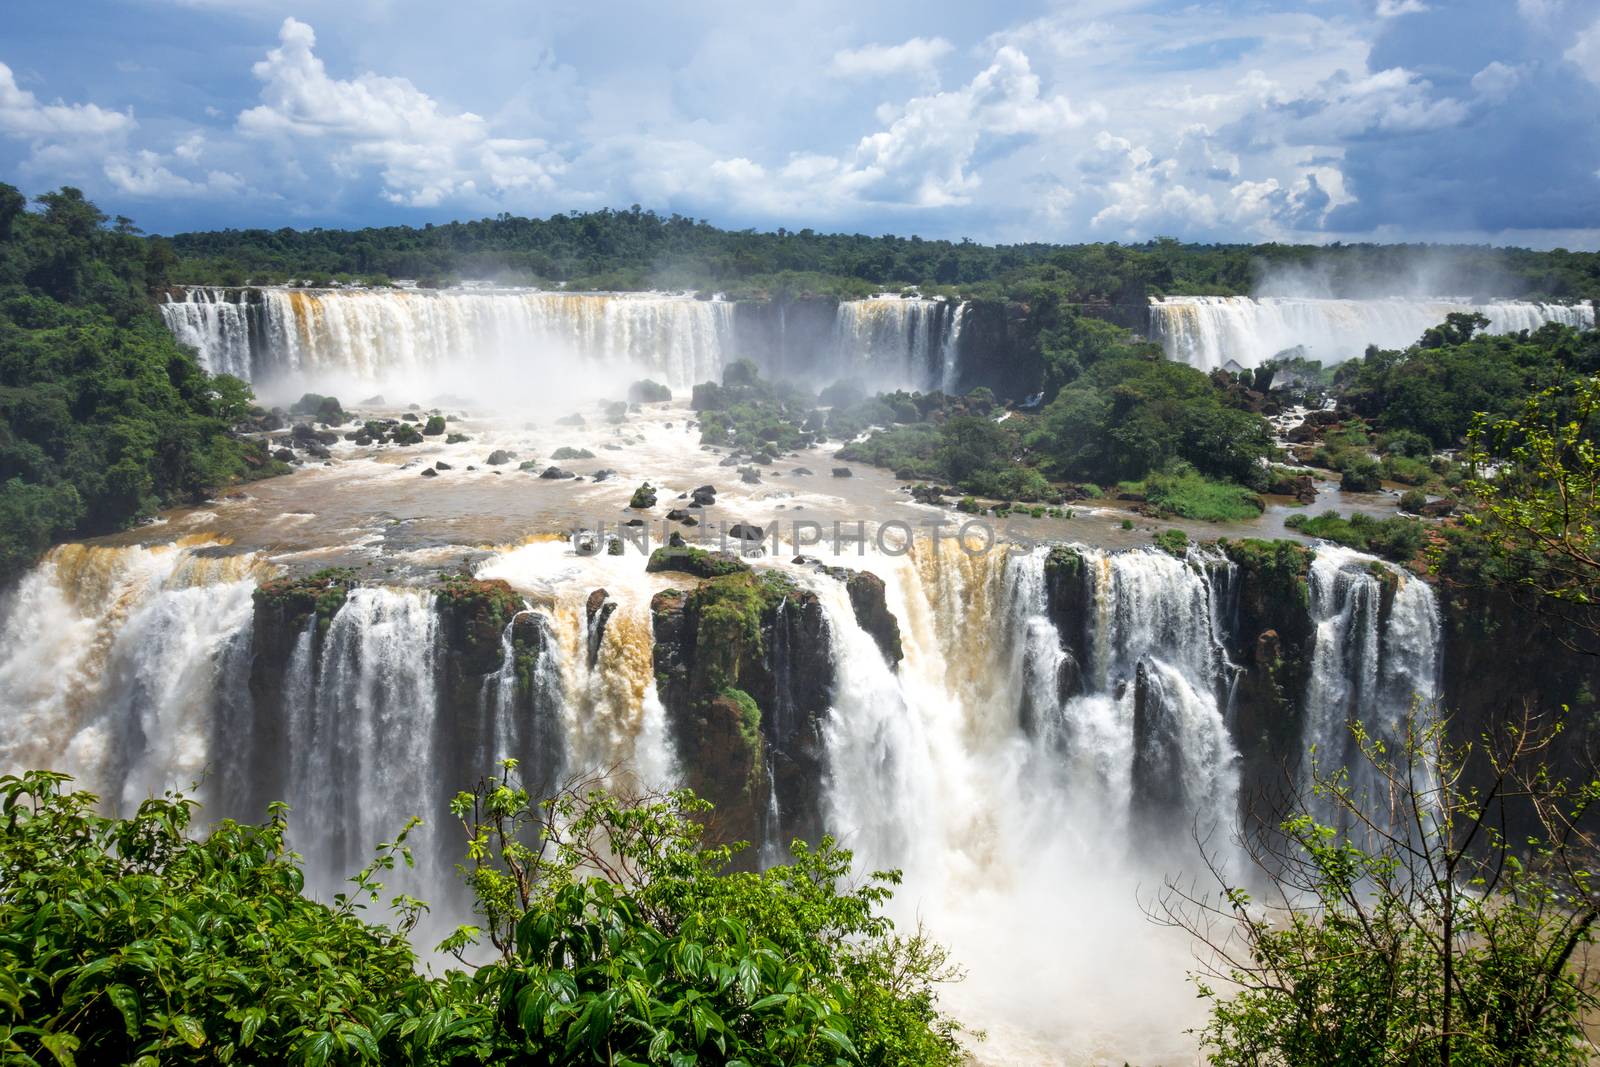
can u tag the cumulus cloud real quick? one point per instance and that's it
(923, 156)
(918, 56)
(21, 115)
(1496, 81)
(1585, 52)
(145, 174)
(427, 154)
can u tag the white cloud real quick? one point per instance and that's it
(1388, 9)
(923, 157)
(1585, 52)
(1496, 81)
(145, 174)
(21, 115)
(426, 153)
(919, 56)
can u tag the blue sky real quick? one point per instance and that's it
(1314, 121)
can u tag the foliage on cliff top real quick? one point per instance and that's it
(1455, 372)
(493, 597)
(103, 417)
(1399, 537)
(321, 593)
(616, 937)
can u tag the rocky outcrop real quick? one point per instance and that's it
(745, 672)
(871, 608)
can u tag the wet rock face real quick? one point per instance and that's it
(757, 645)
(869, 603)
(473, 617)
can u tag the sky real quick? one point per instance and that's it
(1238, 120)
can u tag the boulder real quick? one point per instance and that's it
(704, 496)
(604, 474)
(643, 497)
(443, 466)
(842, 472)
(556, 472)
(499, 457)
(749, 476)
(429, 472)
(742, 531)
(801, 472)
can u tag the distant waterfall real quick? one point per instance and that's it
(453, 340)
(1209, 331)
(896, 342)
(374, 337)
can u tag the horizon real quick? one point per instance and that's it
(1227, 122)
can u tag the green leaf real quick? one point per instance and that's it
(61, 1046)
(189, 1029)
(126, 1001)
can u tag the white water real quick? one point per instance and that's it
(530, 347)
(108, 665)
(1029, 823)
(1208, 331)
(1364, 666)
(893, 342)
(1025, 848)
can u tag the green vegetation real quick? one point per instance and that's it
(645, 391)
(1186, 493)
(616, 937)
(1434, 938)
(434, 426)
(103, 417)
(1436, 388)
(1397, 538)
(637, 249)
(694, 561)
(1173, 542)
(1129, 416)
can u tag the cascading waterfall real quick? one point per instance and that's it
(1375, 659)
(1209, 331)
(217, 324)
(893, 342)
(363, 749)
(109, 660)
(449, 340)
(1039, 755)
(375, 338)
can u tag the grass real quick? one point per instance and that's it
(1194, 496)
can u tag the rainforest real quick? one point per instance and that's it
(1029, 534)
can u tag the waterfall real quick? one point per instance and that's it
(453, 340)
(1209, 331)
(450, 339)
(1059, 725)
(108, 664)
(216, 323)
(892, 342)
(1375, 659)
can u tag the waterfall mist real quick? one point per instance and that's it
(1060, 727)
(531, 350)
